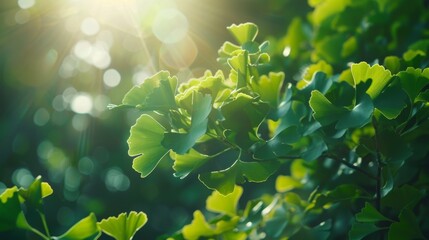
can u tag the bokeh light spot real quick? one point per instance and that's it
(115, 180)
(90, 26)
(22, 16)
(101, 102)
(58, 103)
(22, 177)
(180, 54)
(111, 77)
(51, 57)
(41, 117)
(86, 165)
(170, 25)
(2, 187)
(24, 4)
(82, 49)
(81, 103)
(80, 122)
(100, 58)
(72, 179)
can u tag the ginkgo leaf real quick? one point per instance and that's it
(406, 228)
(242, 116)
(11, 214)
(224, 181)
(145, 145)
(239, 64)
(123, 227)
(182, 142)
(36, 192)
(359, 230)
(370, 214)
(85, 229)
(268, 88)
(324, 111)
(198, 227)
(243, 33)
(391, 102)
(219, 203)
(378, 74)
(287, 183)
(156, 92)
(413, 81)
(185, 164)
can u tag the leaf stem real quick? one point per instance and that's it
(45, 225)
(379, 172)
(379, 167)
(40, 234)
(350, 165)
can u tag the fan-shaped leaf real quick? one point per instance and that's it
(85, 229)
(11, 215)
(224, 181)
(145, 144)
(156, 92)
(123, 227)
(185, 164)
(243, 33)
(378, 74)
(219, 203)
(182, 142)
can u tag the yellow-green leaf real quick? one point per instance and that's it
(123, 227)
(219, 203)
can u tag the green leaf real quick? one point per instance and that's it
(391, 102)
(392, 63)
(268, 87)
(361, 230)
(182, 142)
(228, 49)
(219, 203)
(378, 74)
(185, 164)
(413, 81)
(123, 227)
(46, 189)
(275, 225)
(156, 92)
(406, 228)
(242, 116)
(243, 33)
(359, 115)
(240, 65)
(324, 111)
(145, 145)
(198, 228)
(344, 192)
(405, 196)
(36, 192)
(287, 183)
(280, 145)
(11, 215)
(224, 181)
(319, 81)
(85, 229)
(327, 8)
(369, 214)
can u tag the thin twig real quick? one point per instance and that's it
(350, 165)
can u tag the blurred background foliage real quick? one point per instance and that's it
(63, 62)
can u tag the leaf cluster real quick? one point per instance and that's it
(16, 203)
